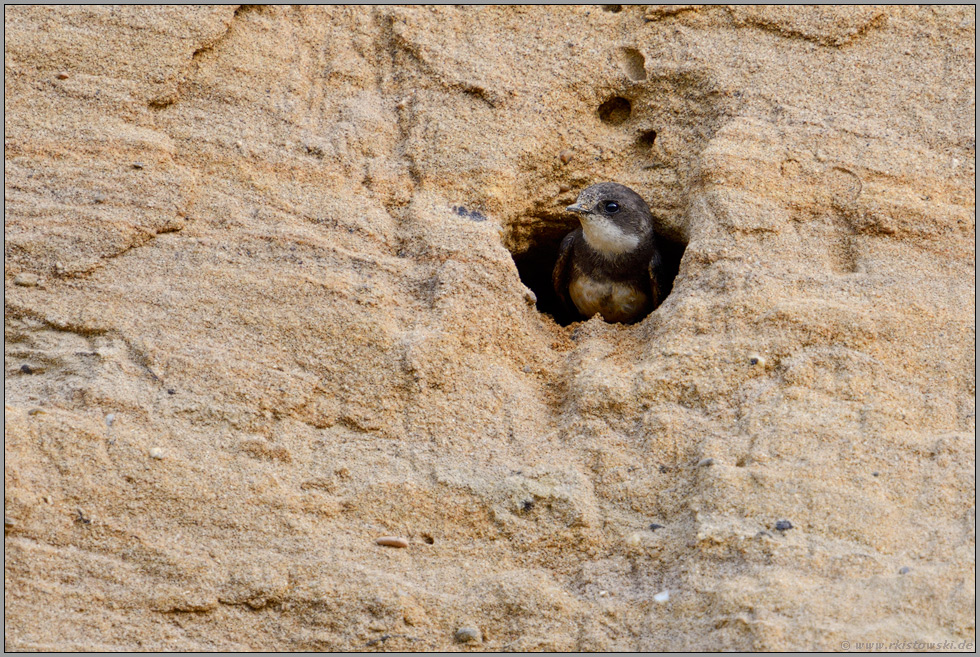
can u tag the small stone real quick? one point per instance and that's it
(783, 525)
(26, 279)
(756, 359)
(99, 198)
(904, 570)
(526, 369)
(8, 522)
(61, 75)
(468, 635)
(139, 165)
(48, 499)
(704, 463)
(156, 453)
(402, 104)
(603, 594)
(654, 527)
(820, 155)
(566, 156)
(530, 298)
(109, 419)
(59, 268)
(26, 369)
(392, 541)
(662, 597)
(564, 189)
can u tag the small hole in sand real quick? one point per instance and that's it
(615, 110)
(634, 63)
(647, 139)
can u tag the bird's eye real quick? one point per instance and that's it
(612, 207)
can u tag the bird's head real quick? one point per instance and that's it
(614, 218)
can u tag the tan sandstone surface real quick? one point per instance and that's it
(262, 308)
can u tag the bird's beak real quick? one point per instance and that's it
(577, 208)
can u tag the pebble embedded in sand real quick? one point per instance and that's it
(156, 453)
(566, 156)
(756, 359)
(704, 463)
(904, 570)
(661, 597)
(61, 75)
(783, 525)
(392, 541)
(26, 279)
(467, 635)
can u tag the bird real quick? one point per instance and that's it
(612, 265)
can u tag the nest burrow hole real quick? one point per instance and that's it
(536, 264)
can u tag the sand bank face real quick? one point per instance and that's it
(262, 310)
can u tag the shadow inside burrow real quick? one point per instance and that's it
(536, 263)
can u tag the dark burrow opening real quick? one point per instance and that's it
(536, 264)
(615, 110)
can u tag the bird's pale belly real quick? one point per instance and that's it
(615, 301)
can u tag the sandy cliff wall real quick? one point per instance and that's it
(262, 307)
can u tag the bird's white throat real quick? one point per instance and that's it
(606, 237)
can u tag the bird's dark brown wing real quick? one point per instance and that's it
(562, 273)
(656, 264)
